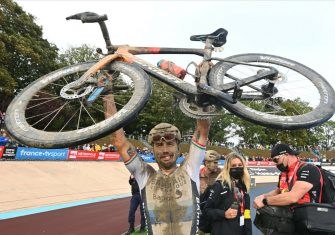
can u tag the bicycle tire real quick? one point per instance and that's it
(323, 111)
(24, 132)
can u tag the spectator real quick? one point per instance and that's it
(208, 175)
(135, 201)
(228, 205)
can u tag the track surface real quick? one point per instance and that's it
(102, 218)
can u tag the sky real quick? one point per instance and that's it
(299, 30)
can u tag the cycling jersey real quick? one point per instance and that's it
(171, 201)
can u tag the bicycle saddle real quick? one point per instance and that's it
(219, 36)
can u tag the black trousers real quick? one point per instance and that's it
(136, 202)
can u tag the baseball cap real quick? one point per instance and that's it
(281, 149)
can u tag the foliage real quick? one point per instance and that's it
(76, 55)
(161, 108)
(24, 54)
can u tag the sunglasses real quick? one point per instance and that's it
(275, 159)
(166, 136)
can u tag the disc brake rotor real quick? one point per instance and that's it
(72, 92)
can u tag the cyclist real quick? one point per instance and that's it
(294, 187)
(171, 194)
(208, 175)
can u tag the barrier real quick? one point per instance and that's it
(9, 153)
(90, 155)
(41, 154)
(2, 148)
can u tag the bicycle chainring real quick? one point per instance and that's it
(191, 109)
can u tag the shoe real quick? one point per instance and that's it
(142, 230)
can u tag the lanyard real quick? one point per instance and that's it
(239, 196)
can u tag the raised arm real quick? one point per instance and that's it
(119, 140)
(202, 131)
(123, 146)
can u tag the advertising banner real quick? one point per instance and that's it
(9, 153)
(263, 171)
(41, 154)
(109, 156)
(260, 163)
(2, 149)
(82, 155)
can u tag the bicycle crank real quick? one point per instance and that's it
(191, 109)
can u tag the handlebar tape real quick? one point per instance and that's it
(88, 17)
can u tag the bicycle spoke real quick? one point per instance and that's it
(81, 106)
(68, 121)
(39, 115)
(45, 117)
(55, 115)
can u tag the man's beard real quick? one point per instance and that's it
(167, 165)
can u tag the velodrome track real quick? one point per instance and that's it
(49, 198)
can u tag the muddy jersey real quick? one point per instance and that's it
(171, 201)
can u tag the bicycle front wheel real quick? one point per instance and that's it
(302, 98)
(46, 115)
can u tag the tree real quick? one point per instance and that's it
(24, 54)
(160, 108)
(76, 55)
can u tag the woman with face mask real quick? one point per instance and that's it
(228, 205)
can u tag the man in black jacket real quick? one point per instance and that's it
(134, 203)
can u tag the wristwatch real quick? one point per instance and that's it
(265, 201)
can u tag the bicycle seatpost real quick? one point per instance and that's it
(205, 66)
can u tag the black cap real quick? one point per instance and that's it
(281, 149)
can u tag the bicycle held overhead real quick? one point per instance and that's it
(72, 105)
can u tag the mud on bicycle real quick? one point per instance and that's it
(71, 105)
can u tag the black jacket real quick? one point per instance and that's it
(219, 201)
(134, 186)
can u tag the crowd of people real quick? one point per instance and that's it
(188, 199)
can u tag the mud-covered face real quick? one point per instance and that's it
(212, 166)
(166, 153)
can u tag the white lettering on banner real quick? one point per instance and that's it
(41, 153)
(266, 171)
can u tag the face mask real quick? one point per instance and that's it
(236, 172)
(282, 168)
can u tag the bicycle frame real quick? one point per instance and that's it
(127, 54)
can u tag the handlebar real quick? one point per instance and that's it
(88, 17)
(91, 17)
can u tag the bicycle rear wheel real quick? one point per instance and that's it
(302, 99)
(45, 115)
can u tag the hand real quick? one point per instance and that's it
(230, 213)
(119, 140)
(258, 202)
(202, 131)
